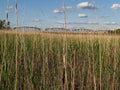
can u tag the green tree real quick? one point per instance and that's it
(117, 31)
(4, 25)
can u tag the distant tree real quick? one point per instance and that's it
(110, 31)
(4, 25)
(117, 31)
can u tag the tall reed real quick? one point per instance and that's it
(92, 61)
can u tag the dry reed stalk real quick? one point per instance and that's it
(89, 64)
(100, 60)
(83, 71)
(24, 57)
(65, 50)
(73, 73)
(3, 57)
(16, 62)
(93, 67)
(43, 63)
(89, 76)
(114, 63)
(16, 46)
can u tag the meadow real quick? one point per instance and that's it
(53, 61)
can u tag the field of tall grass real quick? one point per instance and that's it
(48, 61)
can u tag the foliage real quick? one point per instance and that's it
(3, 24)
(117, 31)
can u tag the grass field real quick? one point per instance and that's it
(48, 61)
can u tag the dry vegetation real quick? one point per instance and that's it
(34, 61)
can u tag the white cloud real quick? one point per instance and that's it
(93, 22)
(61, 10)
(115, 6)
(86, 5)
(110, 23)
(60, 22)
(104, 16)
(58, 11)
(82, 23)
(7, 11)
(37, 20)
(106, 23)
(10, 7)
(114, 23)
(82, 15)
(68, 8)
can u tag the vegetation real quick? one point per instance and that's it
(92, 61)
(117, 31)
(4, 25)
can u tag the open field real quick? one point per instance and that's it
(49, 61)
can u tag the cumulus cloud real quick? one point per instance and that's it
(10, 7)
(86, 5)
(61, 10)
(60, 22)
(67, 8)
(110, 23)
(37, 20)
(58, 11)
(104, 16)
(82, 23)
(93, 23)
(114, 23)
(82, 15)
(115, 6)
(86, 23)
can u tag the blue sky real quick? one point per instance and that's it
(96, 14)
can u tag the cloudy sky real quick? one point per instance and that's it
(96, 14)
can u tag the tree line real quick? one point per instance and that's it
(116, 31)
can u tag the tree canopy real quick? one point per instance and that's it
(4, 25)
(117, 31)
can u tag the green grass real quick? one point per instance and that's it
(92, 61)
